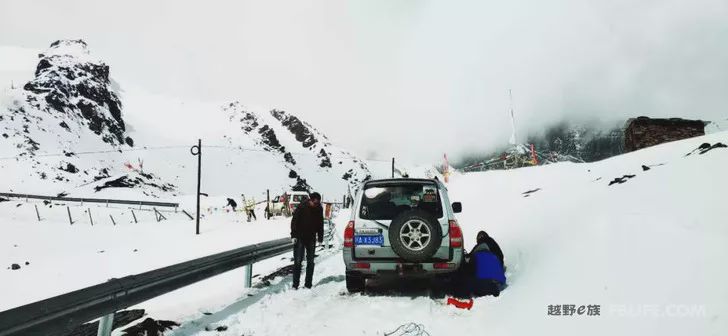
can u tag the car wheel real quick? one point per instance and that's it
(355, 282)
(415, 235)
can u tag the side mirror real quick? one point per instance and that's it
(275, 200)
(457, 207)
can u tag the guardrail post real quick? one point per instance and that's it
(36, 212)
(248, 275)
(105, 325)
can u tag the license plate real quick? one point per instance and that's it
(377, 240)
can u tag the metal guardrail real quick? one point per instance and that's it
(92, 200)
(61, 314)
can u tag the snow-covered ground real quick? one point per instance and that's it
(65, 257)
(650, 252)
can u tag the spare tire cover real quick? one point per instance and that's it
(415, 235)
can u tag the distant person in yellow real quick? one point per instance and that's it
(250, 208)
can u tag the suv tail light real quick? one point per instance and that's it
(456, 235)
(349, 235)
(443, 266)
(361, 266)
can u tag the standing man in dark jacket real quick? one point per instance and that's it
(307, 226)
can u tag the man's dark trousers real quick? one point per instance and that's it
(301, 247)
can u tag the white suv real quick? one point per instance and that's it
(402, 227)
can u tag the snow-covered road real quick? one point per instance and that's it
(648, 253)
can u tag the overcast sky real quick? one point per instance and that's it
(412, 79)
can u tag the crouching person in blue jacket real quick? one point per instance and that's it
(484, 273)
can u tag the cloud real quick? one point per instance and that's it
(411, 79)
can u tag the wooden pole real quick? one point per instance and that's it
(268, 209)
(36, 212)
(392, 167)
(112, 219)
(89, 217)
(70, 220)
(134, 215)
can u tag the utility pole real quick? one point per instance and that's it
(198, 153)
(392, 167)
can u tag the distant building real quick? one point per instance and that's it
(644, 132)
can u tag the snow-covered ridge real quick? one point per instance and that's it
(303, 149)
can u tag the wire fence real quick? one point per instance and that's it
(185, 147)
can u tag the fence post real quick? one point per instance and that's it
(70, 220)
(112, 219)
(89, 217)
(134, 215)
(36, 212)
(105, 325)
(267, 205)
(248, 275)
(158, 215)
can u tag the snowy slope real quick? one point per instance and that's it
(649, 251)
(68, 107)
(70, 128)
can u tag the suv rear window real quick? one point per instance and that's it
(299, 198)
(385, 202)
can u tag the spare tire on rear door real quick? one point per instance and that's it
(415, 235)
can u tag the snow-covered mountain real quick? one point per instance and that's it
(69, 130)
(70, 105)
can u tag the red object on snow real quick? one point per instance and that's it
(460, 304)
